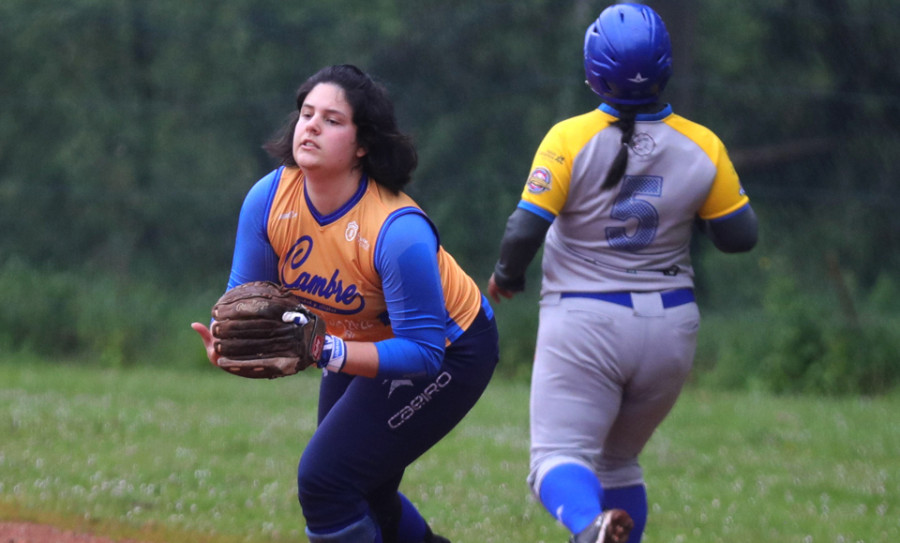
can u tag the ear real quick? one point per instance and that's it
(361, 152)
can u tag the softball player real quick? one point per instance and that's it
(411, 343)
(613, 195)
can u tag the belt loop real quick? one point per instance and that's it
(647, 304)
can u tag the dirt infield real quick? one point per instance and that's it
(27, 532)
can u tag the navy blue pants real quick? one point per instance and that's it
(370, 430)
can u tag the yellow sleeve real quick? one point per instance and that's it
(551, 170)
(548, 181)
(726, 195)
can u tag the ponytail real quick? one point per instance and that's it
(625, 123)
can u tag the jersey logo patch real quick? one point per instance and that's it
(539, 181)
(352, 230)
(642, 144)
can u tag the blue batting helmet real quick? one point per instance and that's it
(628, 55)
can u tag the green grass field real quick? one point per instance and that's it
(202, 456)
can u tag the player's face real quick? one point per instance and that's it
(325, 136)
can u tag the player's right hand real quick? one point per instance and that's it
(207, 338)
(496, 292)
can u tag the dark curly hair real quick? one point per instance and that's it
(390, 155)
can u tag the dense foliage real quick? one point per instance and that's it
(131, 130)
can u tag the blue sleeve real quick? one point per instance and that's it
(406, 258)
(254, 259)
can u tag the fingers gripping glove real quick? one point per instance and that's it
(262, 331)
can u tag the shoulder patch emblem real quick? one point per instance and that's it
(539, 181)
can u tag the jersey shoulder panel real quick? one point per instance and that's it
(284, 206)
(391, 200)
(726, 194)
(548, 180)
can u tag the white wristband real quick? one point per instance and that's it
(334, 355)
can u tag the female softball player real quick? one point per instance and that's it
(411, 343)
(613, 195)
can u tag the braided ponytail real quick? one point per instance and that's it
(625, 123)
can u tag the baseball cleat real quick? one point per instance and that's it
(612, 526)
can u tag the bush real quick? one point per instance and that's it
(100, 319)
(801, 339)
(804, 341)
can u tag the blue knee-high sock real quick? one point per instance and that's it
(412, 526)
(632, 499)
(573, 494)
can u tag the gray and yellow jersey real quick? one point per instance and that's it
(635, 236)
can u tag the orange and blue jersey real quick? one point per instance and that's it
(374, 269)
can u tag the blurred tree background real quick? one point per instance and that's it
(130, 132)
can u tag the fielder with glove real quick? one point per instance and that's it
(334, 266)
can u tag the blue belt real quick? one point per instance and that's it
(670, 298)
